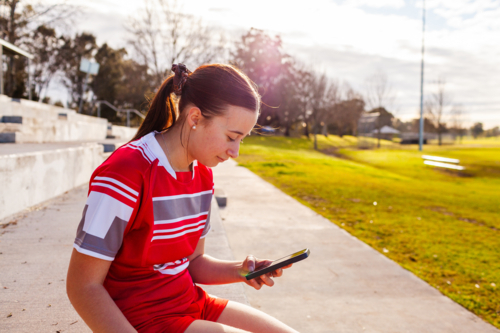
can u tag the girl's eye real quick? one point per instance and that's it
(231, 139)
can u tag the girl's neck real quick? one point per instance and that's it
(177, 155)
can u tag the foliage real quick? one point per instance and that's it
(30, 26)
(477, 129)
(441, 225)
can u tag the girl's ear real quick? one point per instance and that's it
(193, 116)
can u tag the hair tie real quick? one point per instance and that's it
(180, 78)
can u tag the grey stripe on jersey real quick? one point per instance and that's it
(171, 209)
(175, 209)
(107, 246)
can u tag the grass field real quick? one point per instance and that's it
(444, 226)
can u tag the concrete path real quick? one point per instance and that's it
(35, 247)
(345, 285)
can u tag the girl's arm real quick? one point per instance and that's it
(207, 270)
(86, 292)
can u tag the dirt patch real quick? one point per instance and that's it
(443, 211)
(334, 151)
(5, 225)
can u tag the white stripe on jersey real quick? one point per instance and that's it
(114, 181)
(181, 218)
(178, 234)
(180, 196)
(114, 189)
(92, 254)
(102, 211)
(173, 271)
(143, 144)
(180, 228)
(139, 149)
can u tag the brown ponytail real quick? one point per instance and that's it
(161, 114)
(210, 87)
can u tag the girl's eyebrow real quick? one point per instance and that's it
(239, 133)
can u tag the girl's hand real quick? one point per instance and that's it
(251, 264)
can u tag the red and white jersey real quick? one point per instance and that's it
(147, 219)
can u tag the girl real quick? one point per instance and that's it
(139, 249)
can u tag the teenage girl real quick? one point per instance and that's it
(139, 248)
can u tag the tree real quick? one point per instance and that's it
(18, 27)
(436, 107)
(457, 120)
(348, 111)
(44, 44)
(379, 93)
(477, 130)
(492, 132)
(384, 118)
(120, 81)
(70, 54)
(278, 79)
(162, 35)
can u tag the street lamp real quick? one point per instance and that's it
(421, 132)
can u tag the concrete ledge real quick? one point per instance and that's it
(121, 132)
(48, 123)
(31, 178)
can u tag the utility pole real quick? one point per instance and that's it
(421, 132)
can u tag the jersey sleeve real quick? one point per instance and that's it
(113, 201)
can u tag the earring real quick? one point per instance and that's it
(194, 126)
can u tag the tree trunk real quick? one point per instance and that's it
(306, 130)
(315, 129)
(287, 130)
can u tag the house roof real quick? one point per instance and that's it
(386, 130)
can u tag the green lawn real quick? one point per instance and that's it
(443, 226)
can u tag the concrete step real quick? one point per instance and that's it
(38, 172)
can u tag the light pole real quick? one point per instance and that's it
(421, 132)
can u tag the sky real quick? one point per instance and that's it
(351, 40)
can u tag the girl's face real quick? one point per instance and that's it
(217, 139)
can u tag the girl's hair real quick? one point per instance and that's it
(211, 88)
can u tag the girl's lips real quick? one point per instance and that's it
(220, 159)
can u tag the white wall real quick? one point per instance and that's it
(31, 178)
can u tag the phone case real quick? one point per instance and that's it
(271, 268)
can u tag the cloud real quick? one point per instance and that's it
(375, 4)
(352, 39)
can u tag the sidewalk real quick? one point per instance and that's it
(345, 285)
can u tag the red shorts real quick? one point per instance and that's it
(205, 307)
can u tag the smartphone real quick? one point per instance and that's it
(292, 258)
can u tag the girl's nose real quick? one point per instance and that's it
(233, 153)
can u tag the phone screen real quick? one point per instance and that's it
(288, 257)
